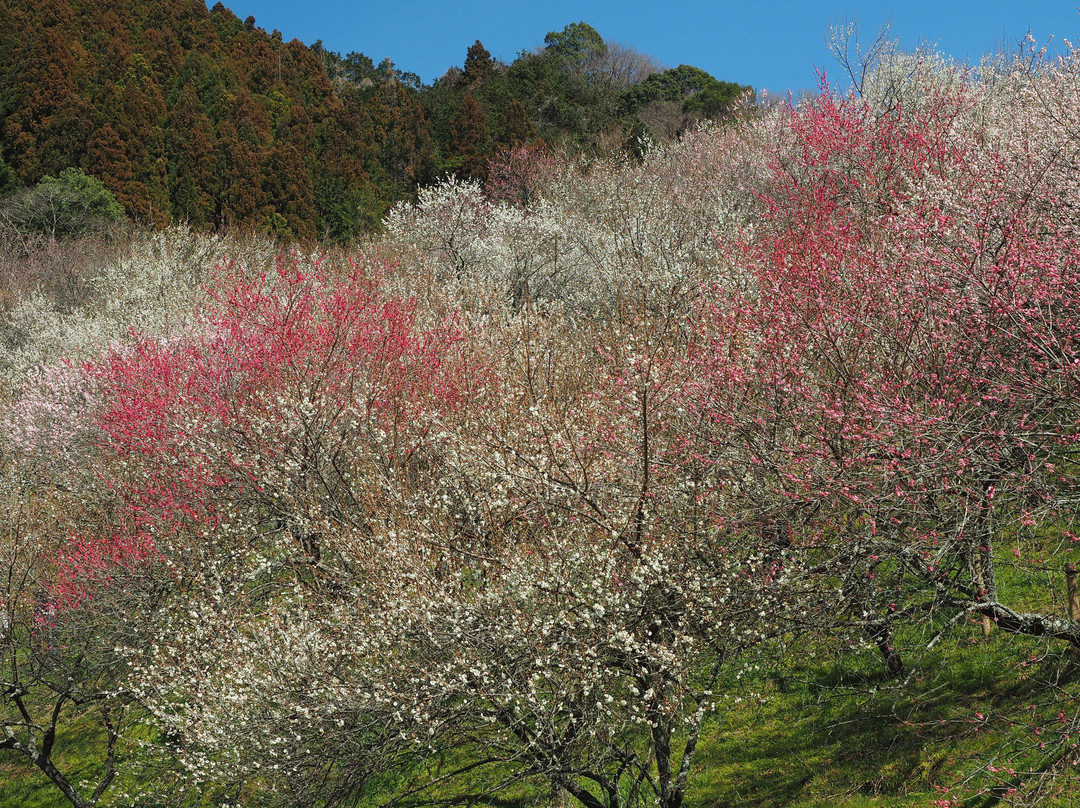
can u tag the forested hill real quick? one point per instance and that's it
(189, 114)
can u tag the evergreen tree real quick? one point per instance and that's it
(190, 152)
(469, 140)
(289, 193)
(107, 160)
(348, 202)
(47, 124)
(238, 199)
(135, 108)
(578, 44)
(406, 154)
(7, 178)
(515, 128)
(478, 65)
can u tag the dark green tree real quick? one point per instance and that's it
(190, 147)
(107, 158)
(135, 108)
(348, 202)
(515, 127)
(71, 204)
(7, 178)
(469, 140)
(563, 89)
(359, 70)
(406, 154)
(577, 43)
(289, 192)
(691, 87)
(238, 193)
(46, 122)
(478, 64)
(717, 100)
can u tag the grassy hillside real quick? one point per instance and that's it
(809, 731)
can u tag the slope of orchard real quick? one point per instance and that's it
(741, 472)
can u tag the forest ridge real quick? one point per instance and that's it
(194, 115)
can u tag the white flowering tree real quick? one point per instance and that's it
(594, 235)
(387, 549)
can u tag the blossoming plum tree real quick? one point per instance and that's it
(899, 377)
(390, 546)
(517, 507)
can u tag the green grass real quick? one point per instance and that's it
(78, 753)
(825, 733)
(813, 729)
(843, 736)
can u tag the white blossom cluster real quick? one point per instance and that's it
(601, 233)
(152, 286)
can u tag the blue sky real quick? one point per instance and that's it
(772, 45)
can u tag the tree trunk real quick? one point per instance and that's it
(1070, 586)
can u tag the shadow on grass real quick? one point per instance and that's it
(830, 736)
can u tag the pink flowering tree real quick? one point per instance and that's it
(517, 174)
(262, 461)
(895, 376)
(66, 603)
(220, 469)
(538, 589)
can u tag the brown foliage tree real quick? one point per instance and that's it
(469, 139)
(515, 128)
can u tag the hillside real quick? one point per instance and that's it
(736, 470)
(192, 115)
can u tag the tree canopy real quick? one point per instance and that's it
(72, 204)
(188, 114)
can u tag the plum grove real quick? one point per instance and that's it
(506, 497)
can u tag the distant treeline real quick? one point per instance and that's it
(194, 115)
